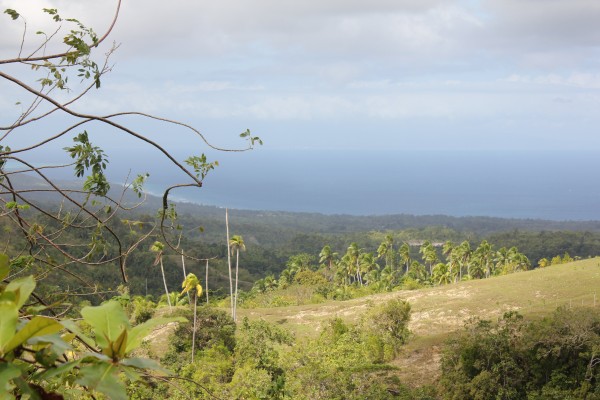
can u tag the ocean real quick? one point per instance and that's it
(539, 185)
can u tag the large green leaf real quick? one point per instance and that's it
(144, 363)
(103, 378)
(72, 326)
(108, 321)
(4, 266)
(22, 287)
(38, 326)
(52, 372)
(9, 315)
(139, 332)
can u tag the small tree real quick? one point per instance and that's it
(192, 284)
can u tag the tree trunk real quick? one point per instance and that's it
(194, 330)
(229, 263)
(162, 271)
(237, 262)
(206, 281)
(184, 274)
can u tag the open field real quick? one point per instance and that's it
(438, 311)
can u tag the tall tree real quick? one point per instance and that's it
(404, 253)
(483, 257)
(236, 244)
(386, 251)
(353, 254)
(367, 265)
(429, 255)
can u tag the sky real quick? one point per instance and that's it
(347, 74)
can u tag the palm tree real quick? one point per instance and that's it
(353, 253)
(386, 279)
(463, 254)
(447, 249)
(386, 251)
(417, 271)
(158, 248)
(367, 264)
(192, 285)
(442, 275)
(404, 253)
(236, 243)
(483, 257)
(327, 256)
(429, 255)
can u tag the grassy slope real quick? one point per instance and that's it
(441, 310)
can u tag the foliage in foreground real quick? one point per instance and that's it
(553, 358)
(42, 356)
(263, 361)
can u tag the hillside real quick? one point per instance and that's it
(438, 311)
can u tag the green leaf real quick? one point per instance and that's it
(119, 346)
(8, 372)
(9, 315)
(4, 266)
(13, 14)
(144, 363)
(50, 373)
(108, 321)
(22, 287)
(38, 326)
(72, 326)
(139, 332)
(102, 377)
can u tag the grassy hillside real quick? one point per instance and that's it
(436, 312)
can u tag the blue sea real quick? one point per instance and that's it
(510, 184)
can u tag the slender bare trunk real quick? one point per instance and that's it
(237, 262)
(184, 274)
(229, 262)
(206, 282)
(162, 271)
(195, 319)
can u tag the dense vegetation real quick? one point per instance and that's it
(552, 358)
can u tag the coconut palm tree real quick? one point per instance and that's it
(483, 258)
(442, 275)
(417, 271)
(191, 284)
(404, 253)
(327, 256)
(367, 264)
(386, 251)
(158, 248)
(353, 253)
(236, 243)
(429, 255)
(463, 254)
(447, 249)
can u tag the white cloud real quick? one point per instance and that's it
(575, 79)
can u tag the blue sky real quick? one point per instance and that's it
(349, 74)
